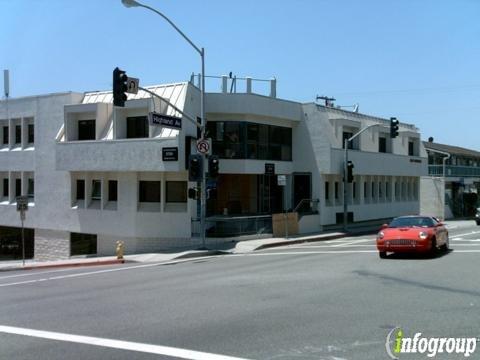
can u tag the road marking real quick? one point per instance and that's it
(39, 272)
(327, 246)
(466, 234)
(309, 252)
(351, 242)
(107, 271)
(117, 344)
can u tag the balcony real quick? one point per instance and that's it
(454, 171)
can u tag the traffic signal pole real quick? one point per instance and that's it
(345, 171)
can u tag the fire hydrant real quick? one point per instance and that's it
(119, 250)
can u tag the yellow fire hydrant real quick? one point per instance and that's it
(119, 250)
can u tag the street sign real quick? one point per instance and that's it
(22, 203)
(170, 154)
(269, 169)
(132, 85)
(168, 121)
(204, 146)
(281, 180)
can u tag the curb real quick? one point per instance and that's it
(203, 253)
(73, 264)
(317, 239)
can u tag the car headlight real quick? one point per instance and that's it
(422, 235)
(380, 235)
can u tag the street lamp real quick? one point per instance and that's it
(201, 52)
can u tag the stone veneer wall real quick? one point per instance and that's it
(51, 245)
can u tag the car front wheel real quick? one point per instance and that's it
(446, 246)
(382, 254)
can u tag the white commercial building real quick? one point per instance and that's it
(96, 173)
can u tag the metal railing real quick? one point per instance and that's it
(453, 170)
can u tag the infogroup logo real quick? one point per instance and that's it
(397, 343)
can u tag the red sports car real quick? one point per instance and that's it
(412, 234)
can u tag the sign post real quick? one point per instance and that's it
(22, 206)
(282, 181)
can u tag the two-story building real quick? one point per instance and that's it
(457, 170)
(96, 173)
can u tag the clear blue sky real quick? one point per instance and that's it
(418, 60)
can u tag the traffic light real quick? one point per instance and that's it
(393, 127)
(194, 193)
(350, 172)
(195, 167)
(119, 87)
(213, 166)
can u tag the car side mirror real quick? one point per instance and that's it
(439, 224)
(384, 226)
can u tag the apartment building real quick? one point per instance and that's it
(96, 173)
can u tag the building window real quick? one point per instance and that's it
(242, 140)
(411, 148)
(112, 190)
(347, 135)
(149, 191)
(31, 188)
(80, 189)
(387, 190)
(336, 190)
(31, 134)
(380, 192)
(365, 188)
(18, 187)
(5, 135)
(382, 144)
(86, 130)
(137, 127)
(5, 187)
(176, 192)
(96, 190)
(18, 134)
(83, 244)
(373, 189)
(354, 190)
(327, 190)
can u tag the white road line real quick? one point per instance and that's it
(466, 234)
(351, 242)
(39, 273)
(309, 252)
(328, 246)
(117, 344)
(107, 271)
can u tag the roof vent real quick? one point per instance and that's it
(430, 139)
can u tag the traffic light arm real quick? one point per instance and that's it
(188, 117)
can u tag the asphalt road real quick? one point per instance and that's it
(330, 300)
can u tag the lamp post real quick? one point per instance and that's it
(201, 52)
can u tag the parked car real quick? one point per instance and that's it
(477, 216)
(412, 234)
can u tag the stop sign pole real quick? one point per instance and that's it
(22, 207)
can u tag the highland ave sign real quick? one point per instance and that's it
(156, 119)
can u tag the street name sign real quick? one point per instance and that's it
(168, 121)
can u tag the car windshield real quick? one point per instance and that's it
(411, 222)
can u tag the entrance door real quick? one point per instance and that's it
(270, 195)
(302, 189)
